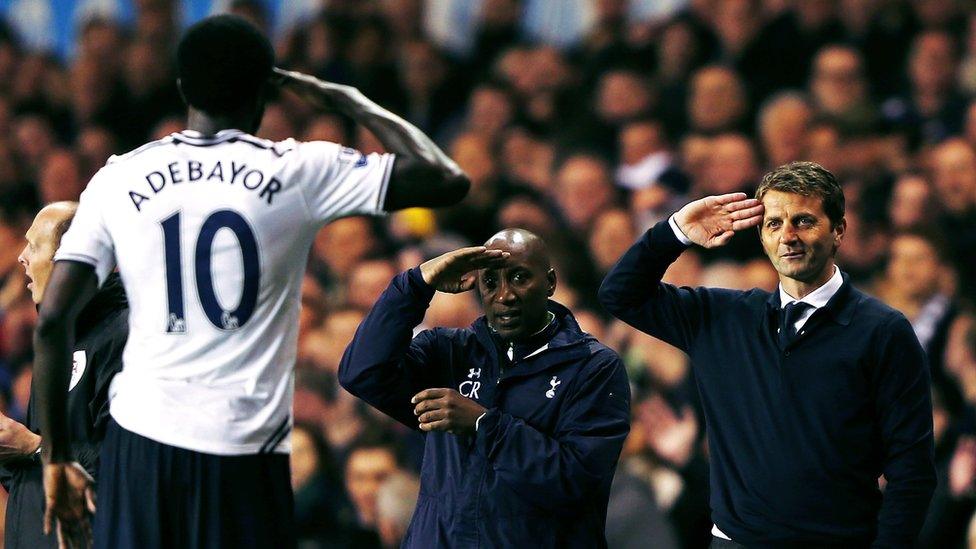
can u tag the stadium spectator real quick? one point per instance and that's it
(368, 466)
(583, 189)
(717, 102)
(784, 125)
(839, 88)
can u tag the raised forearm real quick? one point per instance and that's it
(396, 134)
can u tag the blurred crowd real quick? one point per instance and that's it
(587, 142)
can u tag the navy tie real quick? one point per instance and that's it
(789, 316)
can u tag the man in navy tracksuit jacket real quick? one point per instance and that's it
(525, 414)
(809, 393)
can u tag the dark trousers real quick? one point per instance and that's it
(156, 496)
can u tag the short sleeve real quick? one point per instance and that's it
(338, 181)
(88, 239)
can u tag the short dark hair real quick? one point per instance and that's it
(806, 179)
(224, 63)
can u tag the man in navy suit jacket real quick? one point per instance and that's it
(809, 393)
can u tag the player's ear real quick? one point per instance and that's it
(551, 280)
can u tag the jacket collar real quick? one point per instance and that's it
(569, 340)
(840, 308)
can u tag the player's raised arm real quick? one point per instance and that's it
(423, 175)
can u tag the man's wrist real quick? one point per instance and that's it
(678, 232)
(37, 447)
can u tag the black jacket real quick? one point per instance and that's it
(100, 336)
(798, 435)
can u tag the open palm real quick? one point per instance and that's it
(453, 272)
(711, 221)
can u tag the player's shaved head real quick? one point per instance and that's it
(522, 242)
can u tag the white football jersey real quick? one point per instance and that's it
(211, 236)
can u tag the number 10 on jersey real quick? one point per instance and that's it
(221, 318)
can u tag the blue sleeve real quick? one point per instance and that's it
(382, 365)
(633, 292)
(904, 411)
(566, 467)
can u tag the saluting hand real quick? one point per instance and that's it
(453, 272)
(710, 222)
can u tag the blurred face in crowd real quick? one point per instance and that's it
(910, 202)
(583, 189)
(640, 139)
(367, 281)
(304, 458)
(954, 175)
(612, 234)
(421, 69)
(931, 63)
(798, 237)
(60, 177)
(95, 145)
(736, 22)
(43, 239)
(344, 243)
(914, 267)
(838, 80)
(622, 95)
(472, 151)
(366, 469)
(783, 126)
(337, 331)
(34, 139)
(731, 166)
(527, 213)
(489, 111)
(717, 100)
(515, 296)
(824, 147)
